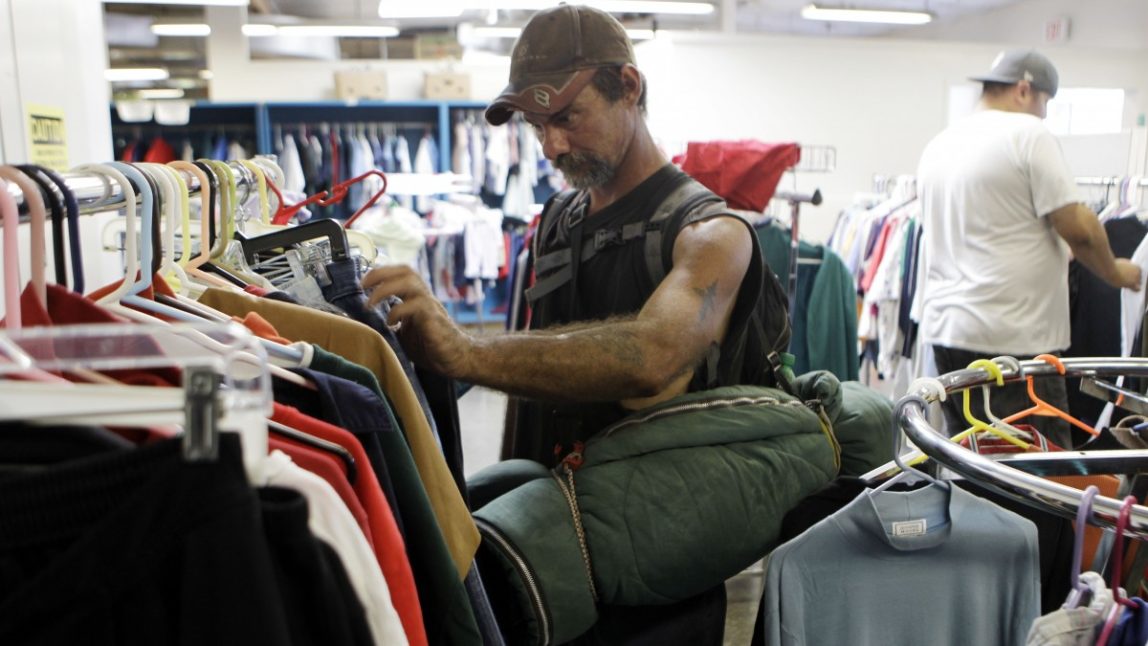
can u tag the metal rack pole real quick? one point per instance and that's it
(1017, 484)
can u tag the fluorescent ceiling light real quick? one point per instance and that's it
(201, 3)
(125, 74)
(206, 75)
(611, 6)
(424, 9)
(161, 93)
(349, 31)
(514, 32)
(813, 12)
(454, 9)
(257, 30)
(181, 29)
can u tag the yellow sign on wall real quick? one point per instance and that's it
(47, 137)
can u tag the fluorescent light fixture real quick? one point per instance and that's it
(257, 30)
(200, 3)
(424, 9)
(513, 32)
(125, 74)
(349, 31)
(206, 75)
(813, 12)
(161, 93)
(617, 6)
(181, 29)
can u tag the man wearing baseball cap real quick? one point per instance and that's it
(998, 205)
(606, 338)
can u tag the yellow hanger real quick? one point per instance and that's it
(978, 426)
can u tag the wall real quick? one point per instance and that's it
(1111, 24)
(878, 101)
(52, 52)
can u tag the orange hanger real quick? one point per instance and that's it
(1043, 408)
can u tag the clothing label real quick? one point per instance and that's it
(909, 528)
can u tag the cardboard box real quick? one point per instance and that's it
(447, 85)
(436, 46)
(360, 84)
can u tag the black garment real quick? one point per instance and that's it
(356, 409)
(697, 621)
(137, 547)
(25, 447)
(616, 281)
(1094, 310)
(1005, 400)
(321, 605)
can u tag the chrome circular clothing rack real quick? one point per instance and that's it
(1021, 485)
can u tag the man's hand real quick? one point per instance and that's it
(429, 336)
(1128, 275)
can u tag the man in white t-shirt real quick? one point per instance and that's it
(1001, 216)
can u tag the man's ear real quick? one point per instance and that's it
(632, 82)
(1024, 91)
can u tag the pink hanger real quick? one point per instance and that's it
(1117, 565)
(39, 213)
(11, 215)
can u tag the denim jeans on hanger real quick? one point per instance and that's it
(436, 394)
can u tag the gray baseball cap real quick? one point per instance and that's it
(1016, 65)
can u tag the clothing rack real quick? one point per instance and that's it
(795, 200)
(1005, 475)
(97, 193)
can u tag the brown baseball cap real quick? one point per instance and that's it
(556, 56)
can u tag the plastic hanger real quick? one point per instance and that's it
(261, 184)
(147, 221)
(227, 206)
(11, 215)
(35, 204)
(977, 425)
(907, 470)
(291, 236)
(165, 179)
(1118, 596)
(75, 243)
(1083, 514)
(56, 217)
(1044, 409)
(207, 210)
(131, 257)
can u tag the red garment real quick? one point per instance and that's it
(261, 327)
(329, 468)
(744, 173)
(869, 271)
(256, 290)
(160, 152)
(387, 541)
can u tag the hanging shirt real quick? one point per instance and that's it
(424, 163)
(330, 521)
(875, 571)
(293, 177)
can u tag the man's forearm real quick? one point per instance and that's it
(1095, 254)
(601, 361)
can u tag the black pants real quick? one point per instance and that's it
(1005, 400)
(697, 621)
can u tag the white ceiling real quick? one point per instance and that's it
(755, 16)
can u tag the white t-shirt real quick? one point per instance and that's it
(996, 272)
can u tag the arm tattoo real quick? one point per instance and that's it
(708, 296)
